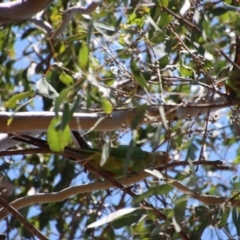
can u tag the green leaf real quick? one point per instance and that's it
(186, 70)
(12, 102)
(111, 217)
(218, 11)
(66, 117)
(105, 153)
(75, 106)
(155, 173)
(138, 16)
(108, 233)
(138, 77)
(107, 106)
(192, 150)
(58, 139)
(83, 56)
(104, 28)
(133, 19)
(162, 189)
(163, 3)
(236, 220)
(90, 32)
(211, 47)
(163, 61)
(224, 214)
(164, 226)
(45, 89)
(65, 78)
(18, 109)
(94, 63)
(61, 98)
(157, 37)
(129, 219)
(139, 115)
(164, 20)
(28, 32)
(179, 210)
(82, 34)
(202, 213)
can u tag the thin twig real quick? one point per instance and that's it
(194, 26)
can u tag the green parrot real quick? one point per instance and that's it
(116, 163)
(232, 84)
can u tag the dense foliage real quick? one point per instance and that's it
(128, 55)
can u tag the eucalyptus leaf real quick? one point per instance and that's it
(65, 78)
(45, 89)
(83, 56)
(58, 139)
(12, 102)
(111, 217)
(104, 27)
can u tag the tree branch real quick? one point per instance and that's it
(33, 123)
(70, 191)
(39, 121)
(207, 199)
(21, 9)
(10, 209)
(71, 12)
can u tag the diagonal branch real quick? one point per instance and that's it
(71, 12)
(10, 209)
